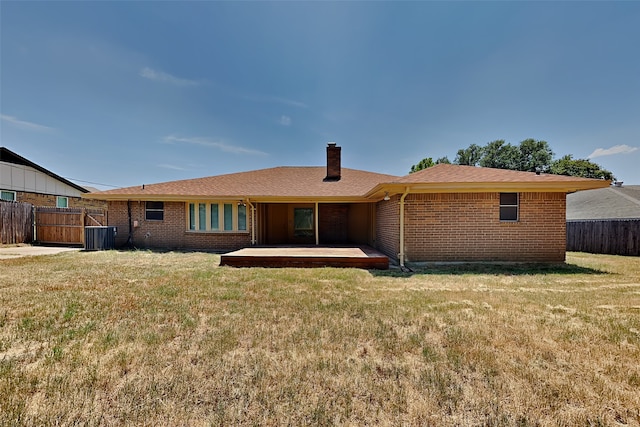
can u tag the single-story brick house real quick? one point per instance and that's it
(22, 180)
(443, 213)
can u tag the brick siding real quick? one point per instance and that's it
(333, 223)
(438, 227)
(388, 227)
(467, 227)
(171, 232)
(49, 200)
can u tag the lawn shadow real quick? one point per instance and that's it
(498, 269)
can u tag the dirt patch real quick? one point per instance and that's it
(8, 252)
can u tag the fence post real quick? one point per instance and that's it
(83, 222)
(35, 224)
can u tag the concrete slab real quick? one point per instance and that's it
(8, 252)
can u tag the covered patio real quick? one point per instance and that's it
(307, 256)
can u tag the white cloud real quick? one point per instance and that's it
(172, 167)
(276, 100)
(208, 142)
(25, 125)
(285, 121)
(616, 149)
(160, 76)
(290, 102)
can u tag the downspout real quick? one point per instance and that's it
(317, 222)
(130, 238)
(401, 254)
(253, 223)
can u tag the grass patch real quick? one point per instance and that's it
(172, 339)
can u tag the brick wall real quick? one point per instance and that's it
(171, 233)
(388, 227)
(467, 227)
(333, 223)
(49, 200)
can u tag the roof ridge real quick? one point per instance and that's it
(626, 196)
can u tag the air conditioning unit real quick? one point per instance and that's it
(99, 238)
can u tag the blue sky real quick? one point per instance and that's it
(126, 93)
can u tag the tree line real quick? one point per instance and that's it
(530, 155)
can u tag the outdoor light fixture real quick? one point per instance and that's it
(386, 196)
(241, 203)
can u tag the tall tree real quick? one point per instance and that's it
(427, 163)
(422, 164)
(500, 155)
(530, 155)
(469, 156)
(534, 156)
(567, 165)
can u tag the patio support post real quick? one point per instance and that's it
(401, 254)
(316, 226)
(253, 223)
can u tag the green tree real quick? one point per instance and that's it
(530, 155)
(427, 163)
(500, 155)
(534, 156)
(567, 165)
(422, 164)
(469, 156)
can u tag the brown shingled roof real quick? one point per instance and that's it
(279, 182)
(295, 183)
(458, 178)
(469, 174)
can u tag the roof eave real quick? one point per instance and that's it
(484, 187)
(253, 198)
(18, 159)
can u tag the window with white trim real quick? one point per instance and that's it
(62, 202)
(303, 222)
(216, 216)
(8, 196)
(154, 211)
(509, 207)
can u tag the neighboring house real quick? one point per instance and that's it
(614, 202)
(22, 180)
(606, 220)
(443, 213)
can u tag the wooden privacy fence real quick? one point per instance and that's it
(65, 225)
(16, 223)
(616, 236)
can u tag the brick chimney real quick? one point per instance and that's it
(333, 162)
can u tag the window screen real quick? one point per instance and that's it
(62, 202)
(242, 217)
(8, 196)
(303, 222)
(508, 206)
(154, 211)
(215, 218)
(228, 216)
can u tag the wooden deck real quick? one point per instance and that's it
(307, 256)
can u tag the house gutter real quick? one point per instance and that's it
(253, 223)
(401, 254)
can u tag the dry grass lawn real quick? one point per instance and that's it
(142, 338)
